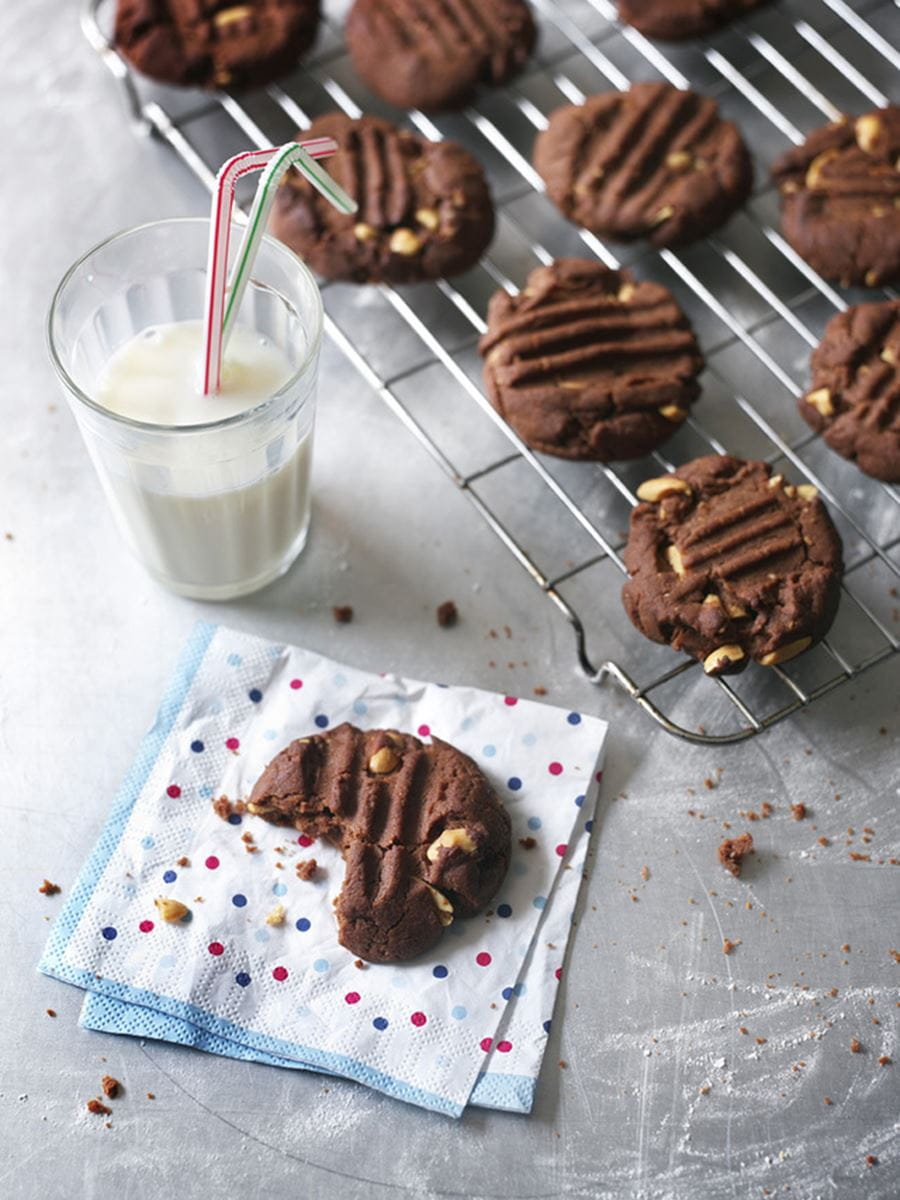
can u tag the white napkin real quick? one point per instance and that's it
(467, 1022)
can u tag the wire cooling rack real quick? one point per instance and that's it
(757, 307)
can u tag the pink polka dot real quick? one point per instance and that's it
(504, 1047)
(145, 926)
(561, 849)
(305, 840)
(424, 731)
(232, 743)
(280, 973)
(599, 776)
(352, 997)
(216, 948)
(212, 862)
(418, 1018)
(486, 1044)
(483, 959)
(512, 701)
(558, 972)
(296, 684)
(555, 768)
(173, 790)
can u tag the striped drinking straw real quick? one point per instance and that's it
(220, 230)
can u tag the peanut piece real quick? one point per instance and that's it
(450, 838)
(735, 610)
(775, 481)
(428, 217)
(442, 904)
(363, 232)
(663, 215)
(712, 600)
(679, 160)
(676, 562)
(625, 293)
(228, 16)
(383, 761)
(820, 399)
(170, 910)
(672, 412)
(868, 130)
(807, 491)
(723, 657)
(654, 490)
(786, 652)
(817, 166)
(405, 242)
(889, 356)
(276, 916)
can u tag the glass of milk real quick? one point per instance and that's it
(211, 493)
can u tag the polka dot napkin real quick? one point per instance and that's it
(466, 1023)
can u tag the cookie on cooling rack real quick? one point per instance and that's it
(432, 55)
(216, 44)
(730, 563)
(423, 835)
(840, 198)
(675, 20)
(586, 362)
(424, 207)
(854, 401)
(653, 162)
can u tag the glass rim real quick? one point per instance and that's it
(149, 426)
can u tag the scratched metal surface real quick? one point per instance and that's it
(662, 1095)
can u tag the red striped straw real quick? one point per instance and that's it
(219, 234)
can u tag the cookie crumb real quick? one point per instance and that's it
(885, 1060)
(733, 851)
(728, 945)
(342, 613)
(151, 1095)
(110, 1087)
(306, 869)
(827, 1100)
(855, 1046)
(447, 614)
(798, 811)
(98, 1109)
(766, 809)
(539, 690)
(871, 1160)
(563, 1064)
(359, 964)
(857, 857)
(823, 841)
(761, 1041)
(51, 1012)
(49, 889)
(276, 916)
(222, 807)
(183, 861)
(645, 873)
(527, 843)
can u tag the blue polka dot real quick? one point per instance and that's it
(381, 1023)
(574, 718)
(534, 822)
(321, 720)
(206, 791)
(242, 979)
(529, 739)
(458, 1012)
(514, 783)
(547, 1025)
(488, 751)
(262, 935)
(109, 933)
(360, 708)
(197, 746)
(279, 889)
(589, 825)
(239, 900)
(440, 971)
(579, 800)
(467, 723)
(340, 680)
(270, 735)
(234, 660)
(539, 901)
(507, 993)
(303, 924)
(148, 842)
(504, 910)
(169, 876)
(234, 818)
(321, 965)
(255, 695)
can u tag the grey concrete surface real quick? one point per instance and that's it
(663, 1093)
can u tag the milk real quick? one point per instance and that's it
(211, 512)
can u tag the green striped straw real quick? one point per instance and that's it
(289, 155)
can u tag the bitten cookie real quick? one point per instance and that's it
(432, 55)
(854, 401)
(588, 363)
(729, 563)
(422, 832)
(424, 207)
(653, 162)
(673, 20)
(840, 198)
(214, 43)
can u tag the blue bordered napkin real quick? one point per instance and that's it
(467, 1023)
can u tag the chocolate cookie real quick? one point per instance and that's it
(729, 563)
(854, 401)
(424, 207)
(588, 363)
(652, 162)
(433, 54)
(840, 198)
(215, 43)
(673, 20)
(422, 832)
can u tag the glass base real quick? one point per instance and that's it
(240, 587)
